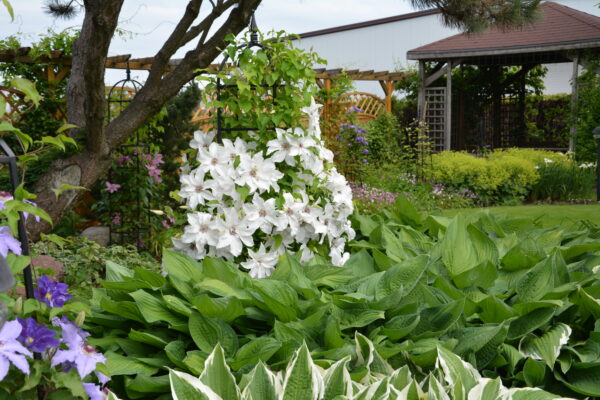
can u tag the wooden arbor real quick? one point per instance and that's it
(560, 35)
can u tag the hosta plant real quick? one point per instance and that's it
(517, 302)
(302, 379)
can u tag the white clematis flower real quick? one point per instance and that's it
(257, 173)
(201, 230)
(234, 232)
(194, 189)
(202, 139)
(262, 214)
(260, 263)
(213, 159)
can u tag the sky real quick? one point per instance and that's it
(148, 22)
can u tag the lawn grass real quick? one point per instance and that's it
(546, 215)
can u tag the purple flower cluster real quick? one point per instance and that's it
(353, 139)
(370, 197)
(36, 337)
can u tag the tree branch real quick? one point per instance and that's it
(207, 22)
(174, 42)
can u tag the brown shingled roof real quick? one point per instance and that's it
(558, 28)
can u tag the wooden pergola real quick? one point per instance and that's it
(58, 65)
(561, 34)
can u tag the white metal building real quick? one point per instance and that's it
(382, 44)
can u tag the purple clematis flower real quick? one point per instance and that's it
(94, 391)
(36, 337)
(11, 351)
(84, 356)
(8, 242)
(53, 293)
(112, 187)
(63, 322)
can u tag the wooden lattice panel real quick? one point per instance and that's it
(15, 104)
(370, 105)
(435, 116)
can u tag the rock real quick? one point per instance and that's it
(49, 262)
(99, 234)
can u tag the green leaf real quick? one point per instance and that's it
(400, 326)
(65, 127)
(436, 320)
(494, 310)
(216, 375)
(583, 378)
(9, 9)
(27, 87)
(547, 347)
(259, 349)
(186, 387)
(289, 270)
(262, 384)
(208, 332)
(535, 283)
(174, 303)
(149, 384)
(148, 338)
(59, 191)
(302, 381)
(529, 322)
(225, 308)
(534, 372)
(120, 365)
(17, 263)
(154, 309)
(278, 298)
(181, 266)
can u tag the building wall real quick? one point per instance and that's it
(384, 47)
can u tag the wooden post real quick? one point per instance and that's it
(388, 95)
(574, 99)
(421, 101)
(448, 107)
(327, 108)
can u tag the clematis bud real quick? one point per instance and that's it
(18, 306)
(80, 318)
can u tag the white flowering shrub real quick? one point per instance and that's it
(257, 195)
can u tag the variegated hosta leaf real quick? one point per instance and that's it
(185, 386)
(263, 384)
(303, 380)
(218, 377)
(455, 369)
(547, 347)
(489, 389)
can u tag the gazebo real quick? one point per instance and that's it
(560, 34)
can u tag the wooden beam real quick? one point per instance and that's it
(421, 100)
(448, 107)
(388, 96)
(435, 76)
(319, 83)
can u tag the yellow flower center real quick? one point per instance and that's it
(30, 339)
(48, 296)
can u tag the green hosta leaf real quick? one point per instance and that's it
(457, 371)
(400, 326)
(119, 365)
(337, 380)
(482, 340)
(278, 298)
(181, 266)
(116, 273)
(333, 334)
(536, 283)
(369, 357)
(405, 212)
(125, 309)
(547, 347)
(290, 271)
(263, 385)
(525, 254)
(208, 332)
(436, 320)
(534, 372)
(225, 308)
(494, 310)
(154, 309)
(360, 264)
(217, 376)
(582, 378)
(464, 247)
(154, 279)
(177, 305)
(482, 275)
(175, 352)
(185, 387)
(529, 322)
(587, 302)
(366, 223)
(259, 349)
(402, 277)
(148, 338)
(329, 276)
(488, 389)
(222, 288)
(352, 314)
(532, 394)
(302, 380)
(149, 384)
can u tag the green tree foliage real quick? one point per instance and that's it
(588, 111)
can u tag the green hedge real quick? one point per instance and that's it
(514, 175)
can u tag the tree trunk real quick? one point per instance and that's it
(87, 107)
